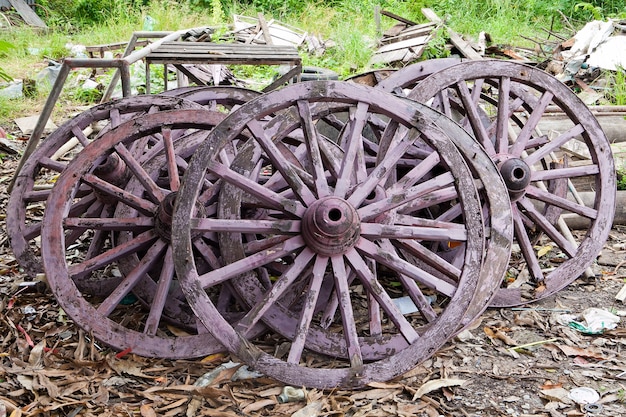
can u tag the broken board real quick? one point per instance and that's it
(29, 16)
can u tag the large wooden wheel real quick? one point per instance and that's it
(37, 175)
(137, 243)
(501, 104)
(303, 214)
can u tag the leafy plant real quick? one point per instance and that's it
(621, 179)
(595, 11)
(617, 87)
(5, 48)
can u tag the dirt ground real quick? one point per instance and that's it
(49, 367)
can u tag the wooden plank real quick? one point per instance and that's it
(389, 57)
(398, 18)
(404, 44)
(408, 35)
(29, 16)
(461, 44)
(265, 30)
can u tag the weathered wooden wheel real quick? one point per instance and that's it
(302, 214)
(501, 104)
(36, 178)
(216, 98)
(137, 238)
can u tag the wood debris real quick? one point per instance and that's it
(404, 42)
(258, 30)
(29, 16)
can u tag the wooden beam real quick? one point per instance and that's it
(29, 16)
(461, 44)
(398, 18)
(265, 30)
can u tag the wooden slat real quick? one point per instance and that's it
(404, 44)
(213, 53)
(461, 44)
(27, 13)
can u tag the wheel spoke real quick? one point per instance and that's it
(399, 199)
(140, 242)
(531, 124)
(557, 173)
(109, 223)
(547, 197)
(442, 232)
(382, 171)
(555, 143)
(502, 118)
(473, 115)
(347, 313)
(526, 246)
(250, 262)
(393, 261)
(153, 255)
(280, 227)
(271, 297)
(304, 324)
(547, 227)
(153, 190)
(144, 206)
(382, 297)
(277, 158)
(264, 195)
(170, 156)
(314, 153)
(353, 147)
(157, 305)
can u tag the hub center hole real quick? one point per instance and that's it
(335, 214)
(519, 173)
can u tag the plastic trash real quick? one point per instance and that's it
(291, 395)
(596, 321)
(149, 23)
(584, 395)
(240, 374)
(49, 74)
(13, 90)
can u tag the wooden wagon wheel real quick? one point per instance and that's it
(37, 176)
(544, 171)
(311, 214)
(138, 243)
(218, 98)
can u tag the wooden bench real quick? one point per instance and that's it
(180, 53)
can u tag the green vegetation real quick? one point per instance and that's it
(617, 87)
(349, 23)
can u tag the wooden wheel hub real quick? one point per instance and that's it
(516, 175)
(331, 226)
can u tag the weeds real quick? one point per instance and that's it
(617, 87)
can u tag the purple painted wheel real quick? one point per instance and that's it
(544, 171)
(301, 213)
(37, 176)
(138, 238)
(218, 98)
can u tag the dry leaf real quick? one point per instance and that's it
(543, 250)
(258, 405)
(586, 353)
(146, 410)
(435, 385)
(551, 385)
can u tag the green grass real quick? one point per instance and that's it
(617, 87)
(350, 24)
